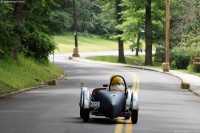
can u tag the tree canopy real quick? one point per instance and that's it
(29, 27)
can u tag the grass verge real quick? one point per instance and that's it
(134, 60)
(130, 60)
(24, 73)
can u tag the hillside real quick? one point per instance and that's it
(86, 43)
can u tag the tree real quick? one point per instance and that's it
(20, 12)
(23, 25)
(185, 26)
(144, 16)
(113, 15)
(133, 23)
(6, 28)
(118, 7)
(36, 40)
(148, 34)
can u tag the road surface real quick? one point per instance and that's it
(164, 107)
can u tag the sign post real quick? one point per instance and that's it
(196, 61)
(75, 51)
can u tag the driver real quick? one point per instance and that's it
(116, 84)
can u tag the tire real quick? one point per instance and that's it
(81, 112)
(127, 117)
(134, 116)
(86, 115)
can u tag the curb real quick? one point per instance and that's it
(184, 85)
(27, 89)
(195, 92)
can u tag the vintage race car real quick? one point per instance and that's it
(109, 103)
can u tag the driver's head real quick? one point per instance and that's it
(116, 80)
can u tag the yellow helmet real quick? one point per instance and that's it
(116, 80)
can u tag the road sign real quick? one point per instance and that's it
(196, 60)
(196, 63)
(196, 57)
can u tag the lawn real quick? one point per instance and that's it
(130, 60)
(86, 44)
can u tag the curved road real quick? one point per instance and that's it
(164, 107)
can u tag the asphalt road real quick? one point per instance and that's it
(164, 107)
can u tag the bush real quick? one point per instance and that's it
(160, 54)
(192, 68)
(179, 60)
(37, 45)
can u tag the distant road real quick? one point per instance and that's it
(104, 53)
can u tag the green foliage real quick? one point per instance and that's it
(193, 68)
(6, 28)
(108, 15)
(37, 45)
(134, 20)
(184, 21)
(34, 33)
(100, 26)
(185, 28)
(190, 44)
(160, 54)
(86, 11)
(131, 60)
(179, 60)
(60, 22)
(135, 45)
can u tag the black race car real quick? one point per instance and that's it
(109, 103)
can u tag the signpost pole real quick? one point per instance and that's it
(165, 65)
(75, 51)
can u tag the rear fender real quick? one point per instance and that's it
(128, 99)
(81, 96)
(86, 99)
(134, 101)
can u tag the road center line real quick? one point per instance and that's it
(128, 123)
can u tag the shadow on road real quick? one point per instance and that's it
(102, 121)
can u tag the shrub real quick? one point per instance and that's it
(38, 45)
(179, 60)
(192, 68)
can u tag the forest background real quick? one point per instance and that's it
(29, 27)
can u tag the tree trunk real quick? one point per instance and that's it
(20, 12)
(138, 43)
(148, 35)
(121, 57)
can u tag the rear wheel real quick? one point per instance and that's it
(86, 115)
(81, 112)
(134, 116)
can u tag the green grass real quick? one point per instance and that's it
(130, 60)
(86, 44)
(135, 61)
(16, 75)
